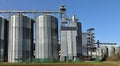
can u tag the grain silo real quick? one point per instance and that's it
(117, 50)
(102, 52)
(111, 50)
(99, 53)
(20, 38)
(46, 48)
(3, 39)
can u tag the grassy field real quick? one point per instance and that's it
(64, 64)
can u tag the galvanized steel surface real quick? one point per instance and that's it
(84, 44)
(71, 41)
(20, 38)
(117, 50)
(46, 37)
(3, 39)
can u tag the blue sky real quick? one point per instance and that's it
(103, 15)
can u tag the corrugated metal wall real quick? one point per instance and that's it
(46, 37)
(84, 44)
(71, 42)
(20, 38)
(3, 39)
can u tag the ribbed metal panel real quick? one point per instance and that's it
(20, 38)
(64, 45)
(68, 43)
(117, 50)
(46, 37)
(71, 42)
(84, 44)
(111, 50)
(3, 39)
(102, 52)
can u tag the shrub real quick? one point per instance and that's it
(114, 57)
